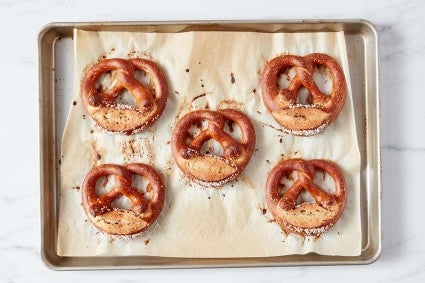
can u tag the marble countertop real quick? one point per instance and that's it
(400, 25)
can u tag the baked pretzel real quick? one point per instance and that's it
(207, 169)
(306, 219)
(303, 119)
(119, 221)
(127, 119)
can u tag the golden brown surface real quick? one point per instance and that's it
(119, 221)
(206, 169)
(306, 219)
(303, 119)
(102, 106)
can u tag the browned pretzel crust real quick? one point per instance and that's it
(212, 170)
(300, 119)
(126, 119)
(306, 219)
(118, 221)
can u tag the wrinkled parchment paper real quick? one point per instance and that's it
(215, 70)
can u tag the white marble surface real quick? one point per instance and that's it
(402, 44)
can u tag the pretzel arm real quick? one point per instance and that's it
(290, 197)
(291, 92)
(139, 203)
(103, 203)
(200, 139)
(231, 148)
(141, 94)
(319, 195)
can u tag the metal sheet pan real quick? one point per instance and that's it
(55, 90)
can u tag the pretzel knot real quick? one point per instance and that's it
(119, 221)
(303, 119)
(307, 219)
(208, 169)
(127, 119)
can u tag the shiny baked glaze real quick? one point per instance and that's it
(102, 106)
(118, 221)
(211, 170)
(303, 119)
(306, 219)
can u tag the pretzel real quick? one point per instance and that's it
(119, 221)
(207, 169)
(303, 119)
(306, 219)
(126, 119)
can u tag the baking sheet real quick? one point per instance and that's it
(205, 222)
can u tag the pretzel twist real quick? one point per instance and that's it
(119, 221)
(207, 169)
(127, 119)
(307, 219)
(303, 119)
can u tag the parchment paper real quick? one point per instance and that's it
(215, 70)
